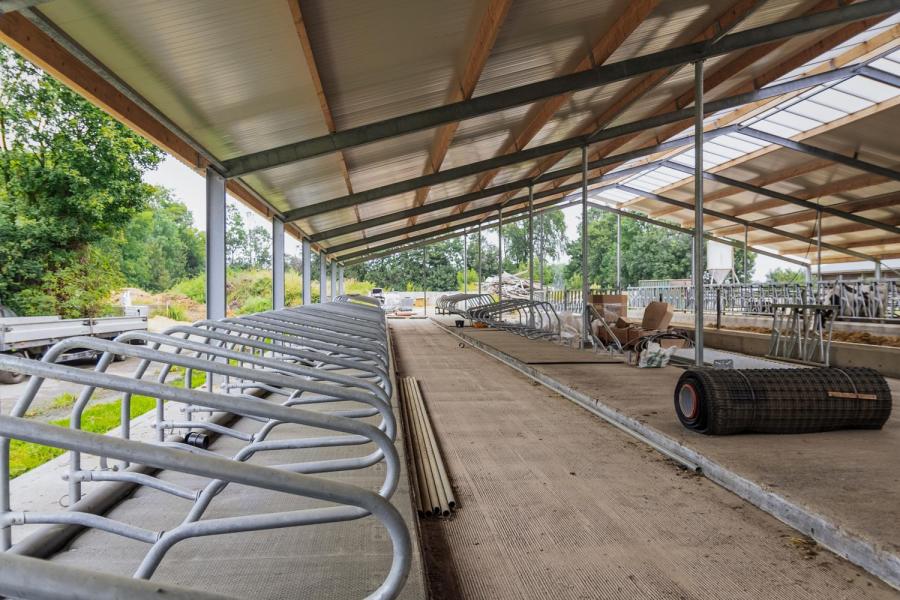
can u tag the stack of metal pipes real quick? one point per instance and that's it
(434, 493)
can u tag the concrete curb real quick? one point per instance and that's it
(878, 561)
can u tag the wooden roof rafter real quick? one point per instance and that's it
(485, 36)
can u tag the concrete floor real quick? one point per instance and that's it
(848, 476)
(556, 503)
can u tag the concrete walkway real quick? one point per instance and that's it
(556, 503)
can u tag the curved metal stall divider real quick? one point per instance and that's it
(299, 358)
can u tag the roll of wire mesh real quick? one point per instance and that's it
(727, 401)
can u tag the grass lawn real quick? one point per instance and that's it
(96, 418)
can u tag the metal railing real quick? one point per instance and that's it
(461, 304)
(853, 300)
(532, 319)
(302, 358)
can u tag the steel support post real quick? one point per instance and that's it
(541, 260)
(215, 245)
(323, 278)
(746, 251)
(465, 262)
(341, 279)
(531, 243)
(585, 285)
(818, 246)
(424, 276)
(500, 253)
(333, 293)
(277, 263)
(307, 272)
(618, 253)
(698, 213)
(877, 271)
(479, 258)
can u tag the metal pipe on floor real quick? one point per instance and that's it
(433, 482)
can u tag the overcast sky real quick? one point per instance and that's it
(190, 188)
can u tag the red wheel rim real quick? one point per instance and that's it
(688, 403)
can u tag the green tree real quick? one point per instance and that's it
(784, 275)
(648, 252)
(515, 240)
(436, 267)
(70, 177)
(246, 248)
(160, 245)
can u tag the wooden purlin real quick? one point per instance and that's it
(485, 37)
(310, 59)
(635, 14)
(727, 20)
(880, 43)
(785, 66)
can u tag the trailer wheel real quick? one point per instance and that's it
(12, 378)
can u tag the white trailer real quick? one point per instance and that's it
(32, 336)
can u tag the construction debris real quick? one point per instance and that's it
(513, 286)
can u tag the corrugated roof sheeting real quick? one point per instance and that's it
(385, 59)
(233, 76)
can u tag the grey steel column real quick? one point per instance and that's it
(341, 279)
(541, 259)
(698, 213)
(818, 246)
(465, 262)
(334, 291)
(500, 252)
(746, 245)
(479, 257)
(323, 278)
(215, 245)
(877, 271)
(307, 273)
(618, 253)
(585, 286)
(531, 243)
(424, 276)
(277, 263)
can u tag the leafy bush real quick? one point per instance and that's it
(176, 312)
(194, 288)
(254, 304)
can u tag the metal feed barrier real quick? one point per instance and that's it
(532, 319)
(461, 304)
(853, 300)
(298, 357)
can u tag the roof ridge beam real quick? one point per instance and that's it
(525, 94)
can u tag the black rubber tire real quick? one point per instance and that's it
(7, 378)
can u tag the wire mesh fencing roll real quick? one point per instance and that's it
(728, 401)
